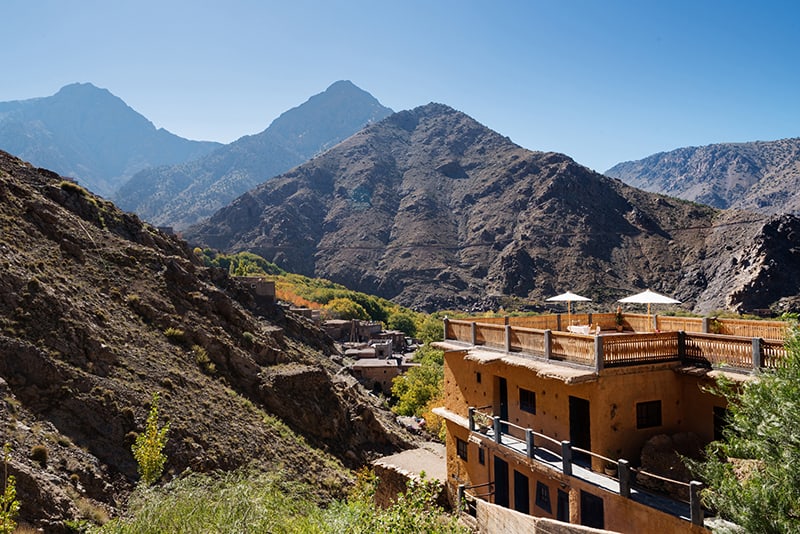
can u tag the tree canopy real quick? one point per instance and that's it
(753, 474)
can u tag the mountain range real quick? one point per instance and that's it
(761, 176)
(90, 135)
(433, 210)
(181, 195)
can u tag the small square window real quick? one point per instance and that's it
(527, 401)
(648, 414)
(543, 497)
(461, 448)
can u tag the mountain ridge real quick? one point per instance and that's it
(181, 195)
(433, 210)
(91, 135)
(761, 176)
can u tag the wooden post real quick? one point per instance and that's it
(558, 322)
(508, 337)
(446, 321)
(547, 344)
(624, 469)
(471, 412)
(598, 353)
(497, 429)
(474, 334)
(705, 325)
(758, 354)
(529, 442)
(682, 345)
(694, 502)
(566, 457)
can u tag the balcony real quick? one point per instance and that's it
(739, 346)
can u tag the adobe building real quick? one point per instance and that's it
(552, 423)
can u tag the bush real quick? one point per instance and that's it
(346, 309)
(176, 335)
(40, 454)
(147, 450)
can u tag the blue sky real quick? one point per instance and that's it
(601, 81)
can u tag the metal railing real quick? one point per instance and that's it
(626, 475)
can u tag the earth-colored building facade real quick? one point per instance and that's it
(611, 412)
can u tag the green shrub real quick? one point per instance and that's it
(9, 505)
(149, 446)
(40, 454)
(176, 335)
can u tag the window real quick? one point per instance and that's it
(543, 497)
(648, 414)
(478, 378)
(481, 456)
(527, 401)
(461, 448)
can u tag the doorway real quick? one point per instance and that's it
(500, 482)
(580, 434)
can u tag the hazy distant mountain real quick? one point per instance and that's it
(91, 135)
(760, 176)
(183, 194)
(436, 211)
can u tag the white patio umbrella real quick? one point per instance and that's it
(568, 297)
(649, 297)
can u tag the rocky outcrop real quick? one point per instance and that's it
(98, 311)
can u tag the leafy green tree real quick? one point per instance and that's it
(753, 474)
(431, 329)
(403, 321)
(149, 446)
(415, 388)
(345, 308)
(9, 505)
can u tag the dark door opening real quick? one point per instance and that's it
(522, 498)
(502, 388)
(562, 506)
(580, 428)
(500, 482)
(592, 511)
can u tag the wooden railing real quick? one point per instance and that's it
(668, 323)
(719, 351)
(573, 348)
(640, 348)
(711, 350)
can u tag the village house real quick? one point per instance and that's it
(552, 423)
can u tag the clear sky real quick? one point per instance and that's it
(602, 81)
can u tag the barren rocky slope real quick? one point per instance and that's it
(760, 176)
(183, 194)
(98, 311)
(433, 210)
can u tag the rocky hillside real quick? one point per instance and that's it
(90, 135)
(98, 311)
(433, 210)
(761, 176)
(181, 195)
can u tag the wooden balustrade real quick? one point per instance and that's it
(640, 348)
(527, 340)
(719, 350)
(715, 350)
(539, 322)
(574, 348)
(668, 323)
(753, 328)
